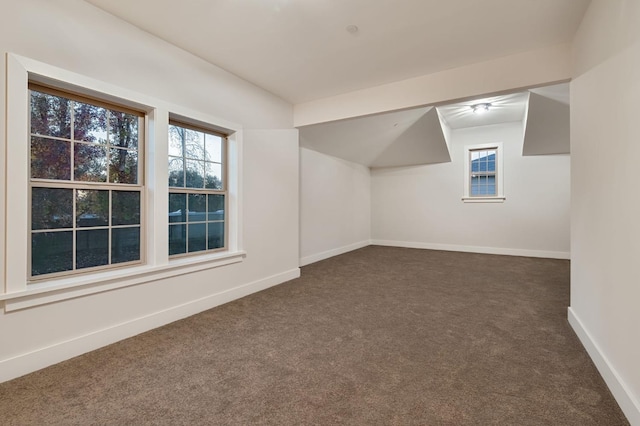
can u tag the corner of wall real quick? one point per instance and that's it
(630, 406)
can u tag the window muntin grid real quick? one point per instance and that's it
(482, 172)
(197, 190)
(85, 184)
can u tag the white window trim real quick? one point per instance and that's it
(499, 198)
(15, 290)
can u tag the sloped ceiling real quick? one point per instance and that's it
(419, 136)
(304, 51)
(547, 126)
(301, 49)
(556, 92)
(398, 138)
(422, 143)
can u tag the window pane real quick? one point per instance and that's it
(123, 166)
(216, 207)
(215, 235)
(176, 172)
(92, 248)
(177, 207)
(125, 244)
(177, 239)
(194, 144)
(197, 237)
(194, 174)
(89, 123)
(197, 207)
(51, 252)
(491, 185)
(474, 186)
(213, 145)
(50, 115)
(214, 176)
(123, 129)
(92, 208)
(176, 135)
(50, 159)
(90, 163)
(51, 208)
(125, 208)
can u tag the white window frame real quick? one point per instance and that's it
(15, 289)
(499, 197)
(203, 128)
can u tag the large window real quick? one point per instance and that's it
(85, 184)
(91, 204)
(197, 189)
(483, 173)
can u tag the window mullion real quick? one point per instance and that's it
(74, 231)
(110, 222)
(108, 143)
(72, 148)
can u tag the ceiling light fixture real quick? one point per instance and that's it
(480, 108)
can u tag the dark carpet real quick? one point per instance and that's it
(378, 336)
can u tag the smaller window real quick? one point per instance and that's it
(483, 173)
(197, 189)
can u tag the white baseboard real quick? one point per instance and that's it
(307, 260)
(475, 249)
(628, 403)
(32, 361)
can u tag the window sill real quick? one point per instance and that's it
(484, 199)
(69, 288)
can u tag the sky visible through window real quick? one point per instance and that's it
(483, 173)
(197, 190)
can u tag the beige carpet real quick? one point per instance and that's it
(378, 336)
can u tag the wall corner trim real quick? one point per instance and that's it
(307, 260)
(26, 363)
(626, 400)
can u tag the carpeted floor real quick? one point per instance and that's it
(378, 336)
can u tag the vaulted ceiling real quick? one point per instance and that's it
(301, 50)
(305, 50)
(420, 136)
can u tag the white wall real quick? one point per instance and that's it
(335, 206)
(75, 36)
(605, 207)
(421, 206)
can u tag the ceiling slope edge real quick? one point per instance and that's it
(422, 143)
(546, 127)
